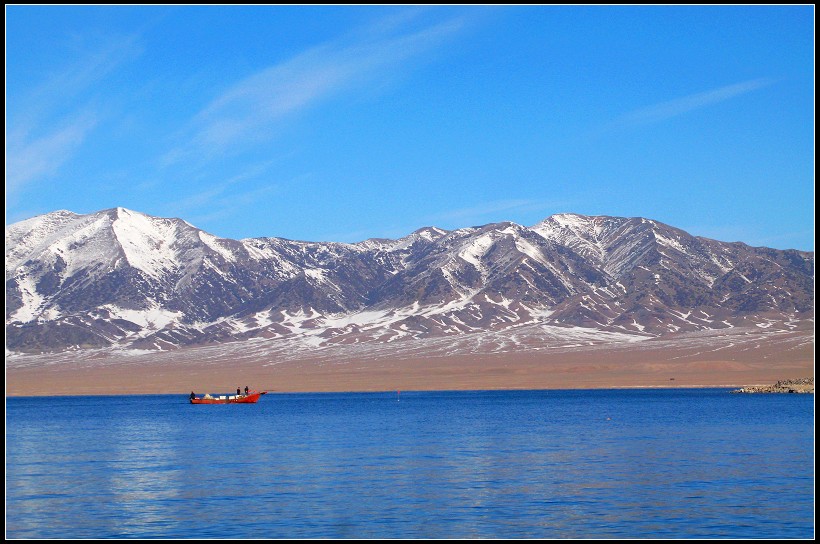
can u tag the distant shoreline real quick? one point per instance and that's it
(801, 385)
(394, 391)
(741, 358)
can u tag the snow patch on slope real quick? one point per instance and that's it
(32, 301)
(152, 319)
(215, 244)
(145, 242)
(476, 249)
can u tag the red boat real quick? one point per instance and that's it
(250, 398)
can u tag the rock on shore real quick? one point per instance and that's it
(800, 385)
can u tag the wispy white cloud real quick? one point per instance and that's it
(62, 89)
(219, 195)
(49, 124)
(250, 110)
(229, 198)
(30, 159)
(231, 205)
(672, 108)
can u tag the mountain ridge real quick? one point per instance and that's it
(122, 278)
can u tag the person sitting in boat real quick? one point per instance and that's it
(246, 390)
(193, 395)
(238, 393)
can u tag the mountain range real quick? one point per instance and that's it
(120, 278)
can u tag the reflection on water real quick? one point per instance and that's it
(523, 464)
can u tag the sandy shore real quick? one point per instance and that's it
(726, 361)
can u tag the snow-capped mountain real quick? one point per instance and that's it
(122, 278)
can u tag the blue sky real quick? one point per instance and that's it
(341, 123)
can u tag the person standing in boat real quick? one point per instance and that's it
(193, 395)
(246, 390)
(238, 392)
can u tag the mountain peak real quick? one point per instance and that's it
(119, 212)
(569, 217)
(430, 233)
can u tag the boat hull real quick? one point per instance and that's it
(243, 399)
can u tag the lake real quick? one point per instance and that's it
(665, 463)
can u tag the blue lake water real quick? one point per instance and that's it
(675, 463)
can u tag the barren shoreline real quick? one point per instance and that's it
(739, 359)
(394, 391)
